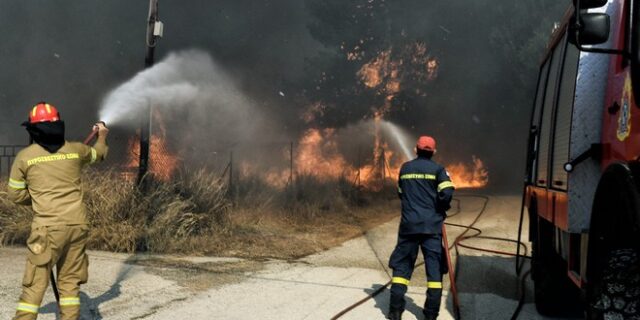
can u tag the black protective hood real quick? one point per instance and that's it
(49, 135)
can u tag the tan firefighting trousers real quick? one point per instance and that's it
(63, 247)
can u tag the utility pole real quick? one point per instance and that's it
(155, 30)
(356, 182)
(291, 165)
(231, 177)
(383, 172)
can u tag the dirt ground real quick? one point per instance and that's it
(318, 286)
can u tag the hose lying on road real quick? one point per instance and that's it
(458, 242)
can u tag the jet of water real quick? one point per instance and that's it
(401, 138)
(184, 80)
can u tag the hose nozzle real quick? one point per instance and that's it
(93, 133)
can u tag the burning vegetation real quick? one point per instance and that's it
(162, 162)
(386, 73)
(465, 176)
(371, 63)
(320, 151)
(318, 154)
(388, 78)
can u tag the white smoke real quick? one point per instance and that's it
(186, 79)
(207, 115)
(204, 113)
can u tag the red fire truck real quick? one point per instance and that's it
(583, 169)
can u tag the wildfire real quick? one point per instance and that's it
(390, 68)
(318, 155)
(162, 162)
(315, 110)
(463, 176)
(432, 68)
(375, 71)
(387, 72)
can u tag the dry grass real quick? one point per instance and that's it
(15, 221)
(196, 214)
(116, 211)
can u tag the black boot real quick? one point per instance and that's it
(430, 316)
(395, 315)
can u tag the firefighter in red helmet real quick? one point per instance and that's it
(425, 190)
(46, 176)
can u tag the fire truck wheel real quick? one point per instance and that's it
(613, 262)
(617, 294)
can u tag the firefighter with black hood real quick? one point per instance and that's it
(425, 190)
(46, 175)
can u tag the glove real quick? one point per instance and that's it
(101, 128)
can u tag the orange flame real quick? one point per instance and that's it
(162, 162)
(312, 112)
(318, 155)
(463, 176)
(373, 72)
(385, 74)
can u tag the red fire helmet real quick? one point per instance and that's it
(43, 112)
(426, 143)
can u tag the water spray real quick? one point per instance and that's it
(184, 80)
(401, 138)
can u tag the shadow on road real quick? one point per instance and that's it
(90, 306)
(478, 276)
(490, 274)
(382, 302)
(480, 279)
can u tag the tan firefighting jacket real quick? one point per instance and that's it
(51, 181)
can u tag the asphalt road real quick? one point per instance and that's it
(316, 287)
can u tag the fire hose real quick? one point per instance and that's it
(52, 277)
(454, 272)
(93, 133)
